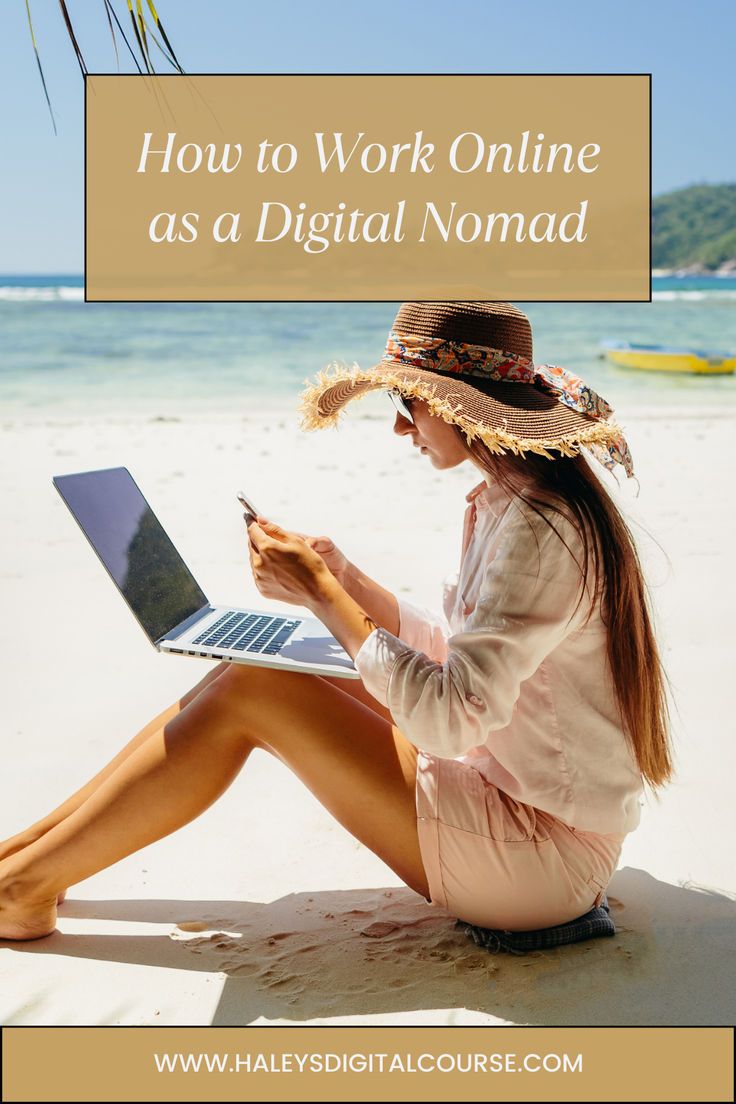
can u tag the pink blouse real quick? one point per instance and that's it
(509, 678)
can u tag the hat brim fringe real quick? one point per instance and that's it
(496, 440)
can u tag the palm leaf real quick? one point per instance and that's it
(38, 62)
(72, 36)
(138, 37)
(147, 33)
(111, 11)
(112, 32)
(171, 60)
(142, 25)
(165, 37)
(142, 30)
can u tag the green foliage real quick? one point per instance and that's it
(141, 29)
(696, 224)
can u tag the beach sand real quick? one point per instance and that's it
(265, 910)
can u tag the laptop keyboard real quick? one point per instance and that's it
(249, 632)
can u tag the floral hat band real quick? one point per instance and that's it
(463, 359)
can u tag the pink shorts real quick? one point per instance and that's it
(496, 862)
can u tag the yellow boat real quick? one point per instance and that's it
(666, 358)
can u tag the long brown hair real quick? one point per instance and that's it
(569, 486)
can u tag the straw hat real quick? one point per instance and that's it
(472, 363)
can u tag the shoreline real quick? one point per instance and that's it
(285, 418)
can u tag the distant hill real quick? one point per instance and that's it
(695, 226)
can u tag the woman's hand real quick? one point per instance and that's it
(335, 560)
(284, 564)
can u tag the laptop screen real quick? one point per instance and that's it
(132, 544)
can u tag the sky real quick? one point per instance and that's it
(688, 47)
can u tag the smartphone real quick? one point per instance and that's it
(249, 507)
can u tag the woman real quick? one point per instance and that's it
(493, 757)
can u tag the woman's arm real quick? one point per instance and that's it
(342, 596)
(526, 608)
(421, 628)
(380, 604)
(286, 565)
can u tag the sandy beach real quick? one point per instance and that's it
(264, 910)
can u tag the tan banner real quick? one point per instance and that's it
(368, 1063)
(356, 187)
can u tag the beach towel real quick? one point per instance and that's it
(596, 922)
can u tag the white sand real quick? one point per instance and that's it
(264, 909)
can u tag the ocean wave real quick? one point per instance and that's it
(72, 294)
(694, 296)
(49, 294)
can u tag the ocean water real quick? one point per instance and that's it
(60, 356)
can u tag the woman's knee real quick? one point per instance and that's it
(203, 684)
(214, 699)
(236, 698)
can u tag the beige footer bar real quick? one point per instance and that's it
(368, 1063)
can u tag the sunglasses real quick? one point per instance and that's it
(402, 404)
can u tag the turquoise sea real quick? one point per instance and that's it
(62, 356)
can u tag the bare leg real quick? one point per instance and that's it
(360, 767)
(35, 831)
(30, 835)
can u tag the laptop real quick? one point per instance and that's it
(168, 603)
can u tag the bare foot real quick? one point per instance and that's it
(23, 916)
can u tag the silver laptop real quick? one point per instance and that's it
(166, 599)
